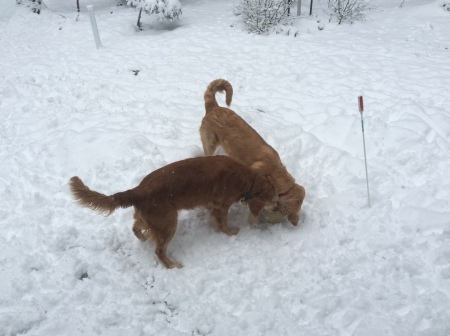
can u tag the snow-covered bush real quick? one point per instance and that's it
(260, 15)
(347, 10)
(164, 9)
(446, 6)
(34, 5)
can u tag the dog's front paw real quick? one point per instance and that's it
(233, 231)
(252, 220)
(230, 231)
(175, 264)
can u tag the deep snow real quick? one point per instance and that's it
(347, 269)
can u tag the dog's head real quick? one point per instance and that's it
(291, 204)
(263, 195)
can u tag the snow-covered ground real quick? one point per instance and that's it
(68, 109)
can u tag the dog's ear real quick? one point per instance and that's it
(293, 218)
(292, 208)
(255, 205)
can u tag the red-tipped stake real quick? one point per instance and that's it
(361, 110)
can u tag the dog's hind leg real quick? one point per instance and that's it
(140, 228)
(219, 217)
(209, 141)
(163, 227)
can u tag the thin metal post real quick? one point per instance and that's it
(94, 26)
(361, 110)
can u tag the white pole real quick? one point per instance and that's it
(94, 26)
(299, 7)
(361, 110)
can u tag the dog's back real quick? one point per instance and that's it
(222, 126)
(195, 182)
(185, 184)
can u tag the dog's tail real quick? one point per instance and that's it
(210, 93)
(96, 201)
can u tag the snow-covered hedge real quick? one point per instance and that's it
(260, 15)
(347, 10)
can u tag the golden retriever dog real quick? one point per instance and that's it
(212, 182)
(223, 127)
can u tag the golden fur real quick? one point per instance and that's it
(223, 127)
(212, 182)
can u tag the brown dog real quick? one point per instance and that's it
(213, 182)
(222, 127)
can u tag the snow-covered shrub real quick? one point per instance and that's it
(446, 6)
(164, 9)
(34, 5)
(347, 10)
(260, 15)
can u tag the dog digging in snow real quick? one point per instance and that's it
(223, 127)
(212, 182)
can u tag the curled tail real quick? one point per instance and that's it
(96, 201)
(210, 93)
